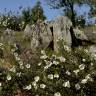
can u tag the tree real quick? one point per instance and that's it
(31, 15)
(68, 6)
(26, 15)
(37, 13)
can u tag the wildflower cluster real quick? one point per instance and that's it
(68, 74)
(11, 21)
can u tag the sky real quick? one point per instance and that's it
(49, 12)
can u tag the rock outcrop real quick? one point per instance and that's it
(80, 34)
(41, 36)
(61, 32)
(49, 34)
(28, 31)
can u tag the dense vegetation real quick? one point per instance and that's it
(44, 73)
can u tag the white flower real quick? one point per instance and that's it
(76, 71)
(50, 76)
(37, 78)
(83, 60)
(62, 59)
(0, 84)
(55, 62)
(84, 81)
(36, 95)
(28, 87)
(42, 86)
(1, 44)
(44, 57)
(92, 64)
(28, 66)
(39, 64)
(77, 86)
(16, 54)
(66, 48)
(86, 50)
(9, 77)
(18, 74)
(36, 87)
(43, 52)
(21, 67)
(68, 73)
(88, 77)
(17, 58)
(21, 62)
(13, 69)
(66, 84)
(57, 94)
(81, 67)
(46, 67)
(34, 83)
(56, 75)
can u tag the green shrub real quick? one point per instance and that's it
(67, 74)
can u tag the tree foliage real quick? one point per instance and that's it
(31, 15)
(68, 6)
(37, 13)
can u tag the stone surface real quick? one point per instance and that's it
(28, 31)
(9, 36)
(92, 49)
(80, 34)
(41, 36)
(61, 31)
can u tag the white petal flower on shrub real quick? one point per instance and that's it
(88, 77)
(9, 77)
(34, 83)
(36, 95)
(13, 69)
(39, 64)
(12, 50)
(37, 78)
(56, 75)
(36, 87)
(66, 48)
(17, 58)
(66, 84)
(77, 86)
(46, 67)
(16, 54)
(28, 66)
(82, 67)
(18, 74)
(62, 59)
(21, 67)
(86, 50)
(68, 73)
(92, 64)
(42, 86)
(21, 62)
(28, 87)
(1, 44)
(50, 76)
(84, 60)
(43, 52)
(0, 84)
(76, 71)
(55, 62)
(57, 94)
(84, 81)
(43, 57)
